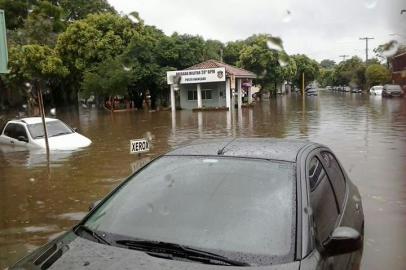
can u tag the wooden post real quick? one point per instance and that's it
(303, 86)
(42, 112)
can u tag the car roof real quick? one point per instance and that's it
(264, 148)
(33, 120)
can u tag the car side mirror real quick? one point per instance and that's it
(75, 129)
(22, 139)
(342, 240)
(93, 205)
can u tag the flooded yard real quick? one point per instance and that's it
(368, 134)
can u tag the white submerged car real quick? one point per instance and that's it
(29, 133)
(376, 90)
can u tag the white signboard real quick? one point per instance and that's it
(139, 146)
(197, 75)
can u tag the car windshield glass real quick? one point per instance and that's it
(54, 128)
(394, 87)
(240, 208)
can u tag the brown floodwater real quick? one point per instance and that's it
(368, 133)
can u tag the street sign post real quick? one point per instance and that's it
(3, 44)
(139, 146)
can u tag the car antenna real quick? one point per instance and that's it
(221, 151)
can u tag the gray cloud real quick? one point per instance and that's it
(318, 28)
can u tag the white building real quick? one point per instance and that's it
(210, 84)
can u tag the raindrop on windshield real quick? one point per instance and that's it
(274, 46)
(133, 19)
(370, 3)
(282, 63)
(150, 207)
(288, 16)
(164, 211)
(283, 59)
(391, 48)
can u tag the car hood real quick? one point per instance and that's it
(79, 253)
(71, 141)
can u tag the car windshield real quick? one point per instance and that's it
(240, 208)
(54, 128)
(394, 87)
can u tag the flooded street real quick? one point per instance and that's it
(367, 133)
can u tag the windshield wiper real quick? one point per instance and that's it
(155, 248)
(94, 234)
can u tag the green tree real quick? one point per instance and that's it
(35, 64)
(149, 63)
(351, 72)
(327, 63)
(232, 52)
(16, 11)
(109, 78)
(90, 41)
(187, 50)
(272, 65)
(79, 9)
(213, 49)
(305, 65)
(43, 24)
(326, 77)
(377, 74)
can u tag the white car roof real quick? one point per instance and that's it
(36, 120)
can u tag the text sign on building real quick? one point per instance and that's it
(197, 75)
(139, 146)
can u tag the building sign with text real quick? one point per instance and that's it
(196, 75)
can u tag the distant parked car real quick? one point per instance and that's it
(356, 90)
(346, 89)
(376, 90)
(392, 90)
(311, 91)
(29, 133)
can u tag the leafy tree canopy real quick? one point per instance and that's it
(263, 54)
(377, 74)
(327, 63)
(92, 40)
(305, 65)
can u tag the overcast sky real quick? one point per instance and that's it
(319, 28)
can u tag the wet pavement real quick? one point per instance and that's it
(39, 201)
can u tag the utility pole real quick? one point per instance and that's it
(221, 55)
(366, 46)
(344, 56)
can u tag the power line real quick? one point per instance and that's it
(366, 46)
(344, 56)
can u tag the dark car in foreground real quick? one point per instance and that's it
(392, 90)
(255, 203)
